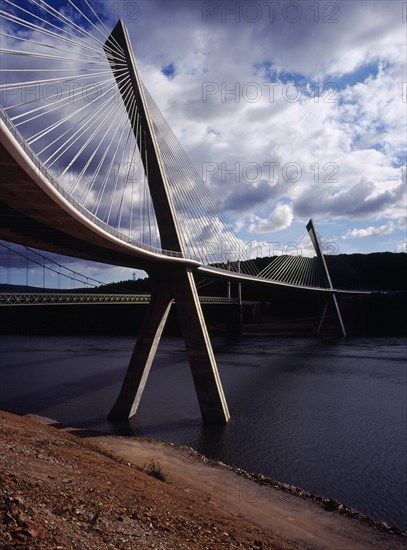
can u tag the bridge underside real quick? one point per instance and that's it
(38, 221)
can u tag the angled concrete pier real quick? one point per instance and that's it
(178, 285)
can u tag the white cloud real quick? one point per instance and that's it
(370, 231)
(280, 218)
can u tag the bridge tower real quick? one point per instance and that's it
(168, 284)
(332, 298)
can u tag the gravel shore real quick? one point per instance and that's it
(67, 489)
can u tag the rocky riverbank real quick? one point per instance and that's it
(91, 491)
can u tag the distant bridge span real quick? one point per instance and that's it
(13, 299)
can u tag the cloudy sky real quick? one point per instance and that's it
(289, 110)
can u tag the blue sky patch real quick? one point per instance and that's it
(357, 76)
(330, 84)
(169, 71)
(273, 75)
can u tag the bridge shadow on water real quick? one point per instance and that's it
(59, 394)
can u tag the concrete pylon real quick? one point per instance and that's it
(174, 283)
(317, 246)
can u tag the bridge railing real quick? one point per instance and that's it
(92, 217)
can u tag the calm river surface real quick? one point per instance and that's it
(328, 417)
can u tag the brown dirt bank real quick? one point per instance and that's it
(61, 491)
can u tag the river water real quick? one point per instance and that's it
(329, 417)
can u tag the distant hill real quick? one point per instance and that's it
(376, 271)
(36, 289)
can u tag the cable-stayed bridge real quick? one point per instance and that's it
(90, 168)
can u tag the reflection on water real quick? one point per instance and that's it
(329, 417)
